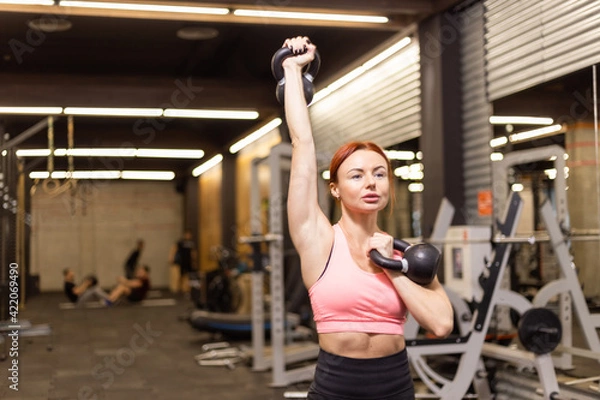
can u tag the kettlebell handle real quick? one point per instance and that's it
(285, 52)
(390, 263)
(419, 263)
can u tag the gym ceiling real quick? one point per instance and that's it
(138, 59)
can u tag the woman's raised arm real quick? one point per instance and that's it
(310, 230)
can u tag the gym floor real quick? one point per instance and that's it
(136, 352)
(123, 352)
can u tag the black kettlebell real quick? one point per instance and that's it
(307, 77)
(420, 261)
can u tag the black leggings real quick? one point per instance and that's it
(343, 378)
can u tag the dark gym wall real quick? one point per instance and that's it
(210, 217)
(441, 138)
(190, 206)
(228, 195)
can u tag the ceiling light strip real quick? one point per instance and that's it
(170, 153)
(535, 133)
(114, 112)
(405, 155)
(105, 174)
(372, 19)
(31, 110)
(254, 136)
(520, 120)
(148, 175)
(210, 114)
(28, 2)
(146, 7)
(134, 112)
(202, 168)
(498, 142)
(123, 152)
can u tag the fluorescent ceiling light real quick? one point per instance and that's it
(504, 120)
(498, 142)
(400, 155)
(535, 133)
(96, 152)
(199, 170)
(355, 73)
(254, 136)
(105, 174)
(170, 153)
(133, 112)
(372, 19)
(46, 175)
(416, 187)
(33, 153)
(551, 173)
(29, 2)
(146, 7)
(412, 172)
(149, 175)
(96, 174)
(326, 175)
(124, 152)
(213, 114)
(517, 187)
(31, 110)
(496, 157)
(114, 112)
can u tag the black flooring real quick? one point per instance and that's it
(135, 352)
(122, 352)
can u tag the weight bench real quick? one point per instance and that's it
(25, 329)
(230, 324)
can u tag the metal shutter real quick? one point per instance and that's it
(535, 41)
(382, 105)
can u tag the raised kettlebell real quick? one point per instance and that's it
(307, 77)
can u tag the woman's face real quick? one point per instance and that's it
(363, 182)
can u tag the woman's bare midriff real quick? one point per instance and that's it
(361, 345)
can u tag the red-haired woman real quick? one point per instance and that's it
(359, 308)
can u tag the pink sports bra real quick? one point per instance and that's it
(349, 299)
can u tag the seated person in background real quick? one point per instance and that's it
(86, 291)
(134, 289)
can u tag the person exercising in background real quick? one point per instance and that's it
(133, 259)
(183, 253)
(134, 290)
(359, 309)
(86, 291)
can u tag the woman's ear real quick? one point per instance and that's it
(334, 191)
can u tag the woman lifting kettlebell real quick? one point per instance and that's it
(359, 308)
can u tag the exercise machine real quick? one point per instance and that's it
(282, 351)
(14, 228)
(470, 368)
